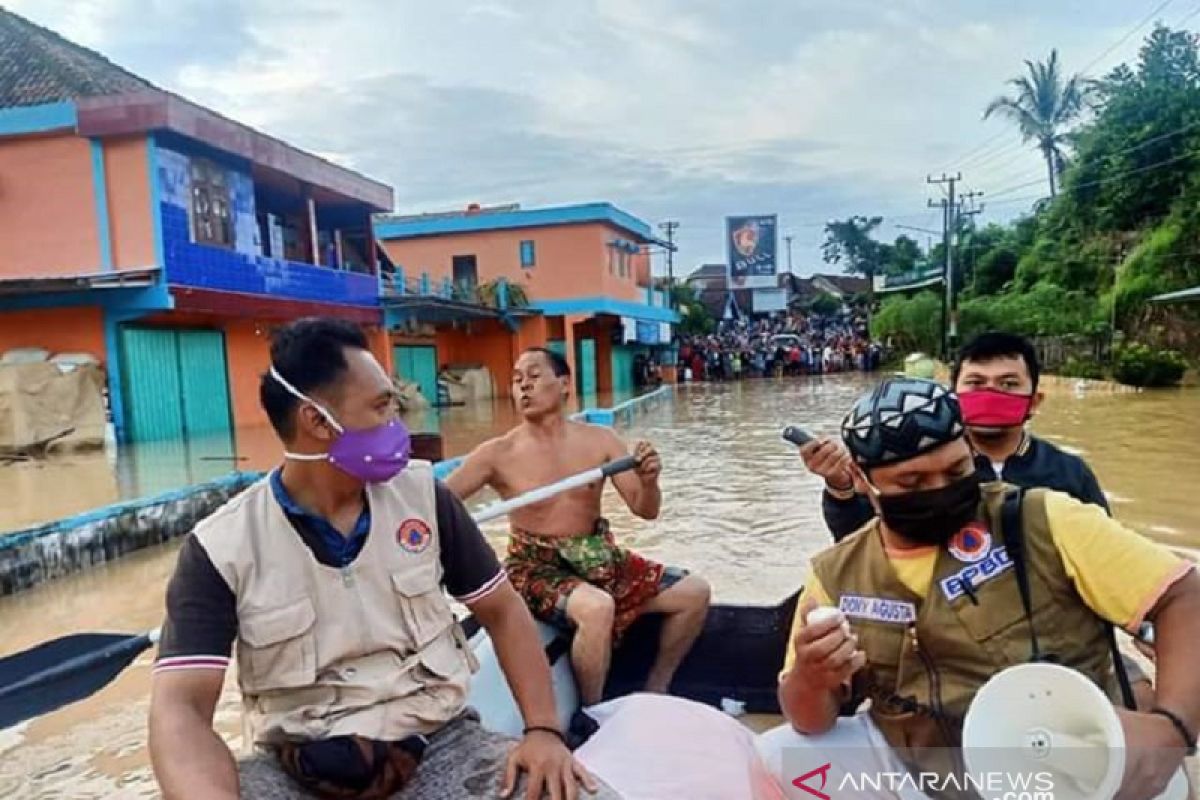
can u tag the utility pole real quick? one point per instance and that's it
(949, 223)
(669, 227)
(967, 208)
(788, 240)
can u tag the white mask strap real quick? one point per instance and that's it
(301, 396)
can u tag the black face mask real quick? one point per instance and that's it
(934, 515)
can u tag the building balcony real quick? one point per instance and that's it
(227, 270)
(427, 299)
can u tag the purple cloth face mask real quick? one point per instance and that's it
(372, 455)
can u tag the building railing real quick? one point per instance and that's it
(498, 294)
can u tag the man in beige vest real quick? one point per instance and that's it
(931, 607)
(329, 575)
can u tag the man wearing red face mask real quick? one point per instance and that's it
(996, 379)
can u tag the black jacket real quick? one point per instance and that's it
(1036, 464)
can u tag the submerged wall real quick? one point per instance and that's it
(59, 548)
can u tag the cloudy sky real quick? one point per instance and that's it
(672, 109)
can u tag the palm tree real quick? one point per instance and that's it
(1044, 106)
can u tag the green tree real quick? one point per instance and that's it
(910, 323)
(902, 256)
(1137, 159)
(849, 242)
(695, 318)
(1043, 109)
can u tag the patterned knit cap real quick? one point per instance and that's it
(900, 419)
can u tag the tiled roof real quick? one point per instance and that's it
(39, 66)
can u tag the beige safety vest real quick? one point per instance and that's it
(928, 656)
(371, 649)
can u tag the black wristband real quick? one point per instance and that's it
(1189, 738)
(545, 729)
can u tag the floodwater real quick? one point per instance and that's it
(34, 490)
(738, 508)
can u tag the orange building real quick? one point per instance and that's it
(165, 239)
(583, 269)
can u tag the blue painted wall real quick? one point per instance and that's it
(100, 193)
(37, 119)
(241, 269)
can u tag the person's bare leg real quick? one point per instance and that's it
(686, 606)
(592, 611)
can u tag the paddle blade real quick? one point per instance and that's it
(51, 675)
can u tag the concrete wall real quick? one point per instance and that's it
(127, 183)
(488, 343)
(59, 330)
(571, 260)
(48, 221)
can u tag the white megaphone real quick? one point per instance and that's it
(1046, 719)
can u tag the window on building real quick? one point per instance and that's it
(528, 255)
(466, 277)
(212, 218)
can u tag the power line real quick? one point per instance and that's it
(1188, 17)
(1101, 181)
(1126, 151)
(1128, 34)
(973, 152)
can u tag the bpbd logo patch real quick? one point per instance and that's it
(971, 544)
(414, 535)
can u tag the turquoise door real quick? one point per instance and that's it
(418, 364)
(557, 346)
(585, 361)
(622, 370)
(150, 384)
(175, 383)
(204, 382)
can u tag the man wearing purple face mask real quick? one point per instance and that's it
(329, 575)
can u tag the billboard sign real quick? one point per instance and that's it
(769, 300)
(752, 246)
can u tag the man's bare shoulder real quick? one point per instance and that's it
(596, 436)
(496, 448)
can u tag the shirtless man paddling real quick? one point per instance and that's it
(562, 557)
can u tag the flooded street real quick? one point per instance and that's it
(738, 508)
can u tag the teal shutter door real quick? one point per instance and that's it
(204, 382)
(150, 383)
(557, 346)
(425, 372)
(418, 364)
(622, 370)
(586, 363)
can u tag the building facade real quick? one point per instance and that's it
(164, 239)
(575, 279)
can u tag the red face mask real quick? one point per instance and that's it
(989, 408)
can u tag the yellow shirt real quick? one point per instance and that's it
(1118, 573)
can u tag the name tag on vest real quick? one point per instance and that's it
(993, 564)
(878, 609)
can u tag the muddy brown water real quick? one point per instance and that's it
(738, 508)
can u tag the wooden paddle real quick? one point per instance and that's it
(51, 675)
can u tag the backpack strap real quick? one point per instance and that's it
(1014, 539)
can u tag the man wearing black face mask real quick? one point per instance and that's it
(996, 378)
(926, 605)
